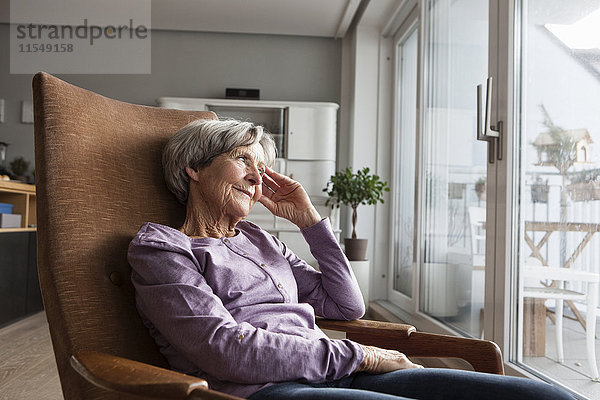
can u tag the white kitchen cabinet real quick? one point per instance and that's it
(309, 133)
(313, 175)
(302, 130)
(305, 136)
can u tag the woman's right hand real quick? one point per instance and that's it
(379, 361)
(286, 198)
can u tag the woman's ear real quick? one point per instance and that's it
(192, 174)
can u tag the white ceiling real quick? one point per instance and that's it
(325, 18)
(328, 18)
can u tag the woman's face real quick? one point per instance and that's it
(232, 182)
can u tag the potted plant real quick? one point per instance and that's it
(584, 185)
(456, 190)
(540, 190)
(480, 188)
(19, 168)
(353, 189)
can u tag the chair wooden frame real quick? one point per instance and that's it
(129, 377)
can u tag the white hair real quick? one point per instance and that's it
(200, 141)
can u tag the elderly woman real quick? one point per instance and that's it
(228, 302)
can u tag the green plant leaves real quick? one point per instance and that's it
(354, 189)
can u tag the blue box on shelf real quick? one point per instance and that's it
(6, 208)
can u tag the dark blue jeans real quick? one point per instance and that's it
(422, 384)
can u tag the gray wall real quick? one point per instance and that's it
(193, 64)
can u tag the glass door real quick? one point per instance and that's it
(556, 191)
(508, 245)
(405, 149)
(454, 166)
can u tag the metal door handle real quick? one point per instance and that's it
(489, 133)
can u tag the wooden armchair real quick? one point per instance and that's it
(98, 179)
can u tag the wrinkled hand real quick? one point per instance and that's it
(379, 361)
(286, 198)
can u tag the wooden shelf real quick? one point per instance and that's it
(22, 197)
(6, 230)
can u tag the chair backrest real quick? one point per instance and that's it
(99, 178)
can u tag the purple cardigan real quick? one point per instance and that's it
(240, 311)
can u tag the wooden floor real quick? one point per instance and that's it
(27, 367)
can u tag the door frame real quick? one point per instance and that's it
(504, 67)
(408, 25)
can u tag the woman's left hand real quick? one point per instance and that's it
(286, 198)
(379, 361)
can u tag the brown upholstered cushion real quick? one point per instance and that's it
(98, 179)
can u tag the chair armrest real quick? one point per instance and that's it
(399, 331)
(122, 375)
(483, 355)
